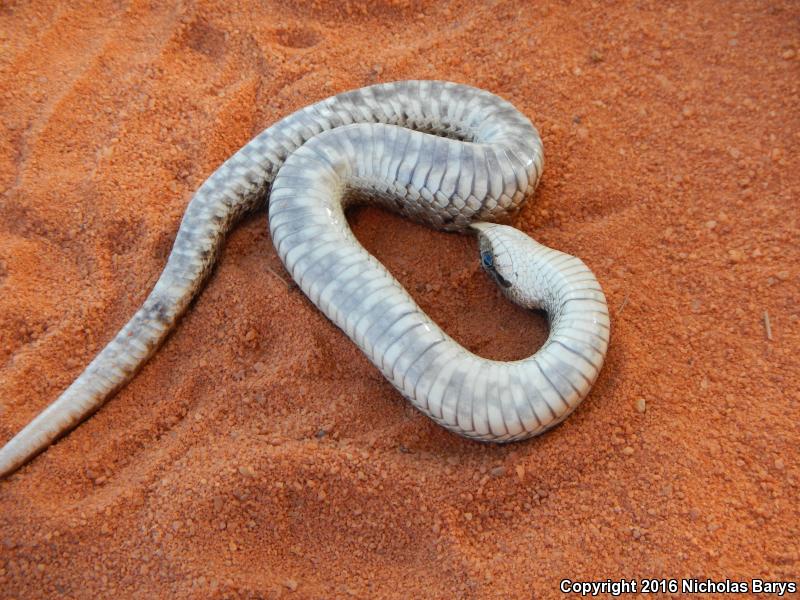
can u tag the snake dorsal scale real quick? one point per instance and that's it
(448, 155)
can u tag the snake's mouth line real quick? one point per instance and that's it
(400, 145)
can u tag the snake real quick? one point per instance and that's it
(448, 155)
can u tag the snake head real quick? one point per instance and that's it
(507, 255)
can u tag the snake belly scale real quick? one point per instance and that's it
(448, 155)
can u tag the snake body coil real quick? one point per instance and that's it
(375, 144)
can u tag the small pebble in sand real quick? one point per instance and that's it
(627, 450)
(247, 471)
(735, 255)
(641, 405)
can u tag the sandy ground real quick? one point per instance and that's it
(260, 454)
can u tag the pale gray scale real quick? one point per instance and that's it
(298, 131)
(585, 304)
(286, 215)
(557, 401)
(433, 382)
(281, 232)
(436, 112)
(433, 109)
(290, 210)
(585, 323)
(567, 300)
(568, 266)
(354, 105)
(523, 398)
(286, 140)
(341, 284)
(301, 245)
(379, 335)
(410, 364)
(383, 97)
(386, 155)
(464, 175)
(554, 258)
(586, 283)
(361, 157)
(323, 118)
(370, 107)
(327, 161)
(301, 226)
(342, 299)
(421, 169)
(376, 311)
(497, 386)
(381, 181)
(284, 196)
(572, 270)
(454, 105)
(312, 165)
(585, 347)
(343, 112)
(455, 129)
(429, 373)
(337, 114)
(480, 174)
(405, 172)
(472, 401)
(551, 280)
(513, 406)
(521, 171)
(571, 360)
(449, 385)
(398, 152)
(356, 323)
(474, 108)
(414, 98)
(333, 152)
(438, 161)
(561, 376)
(390, 343)
(543, 397)
(507, 174)
(452, 173)
(380, 110)
(315, 268)
(465, 407)
(574, 288)
(370, 148)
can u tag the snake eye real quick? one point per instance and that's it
(487, 260)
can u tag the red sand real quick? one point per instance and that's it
(671, 138)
